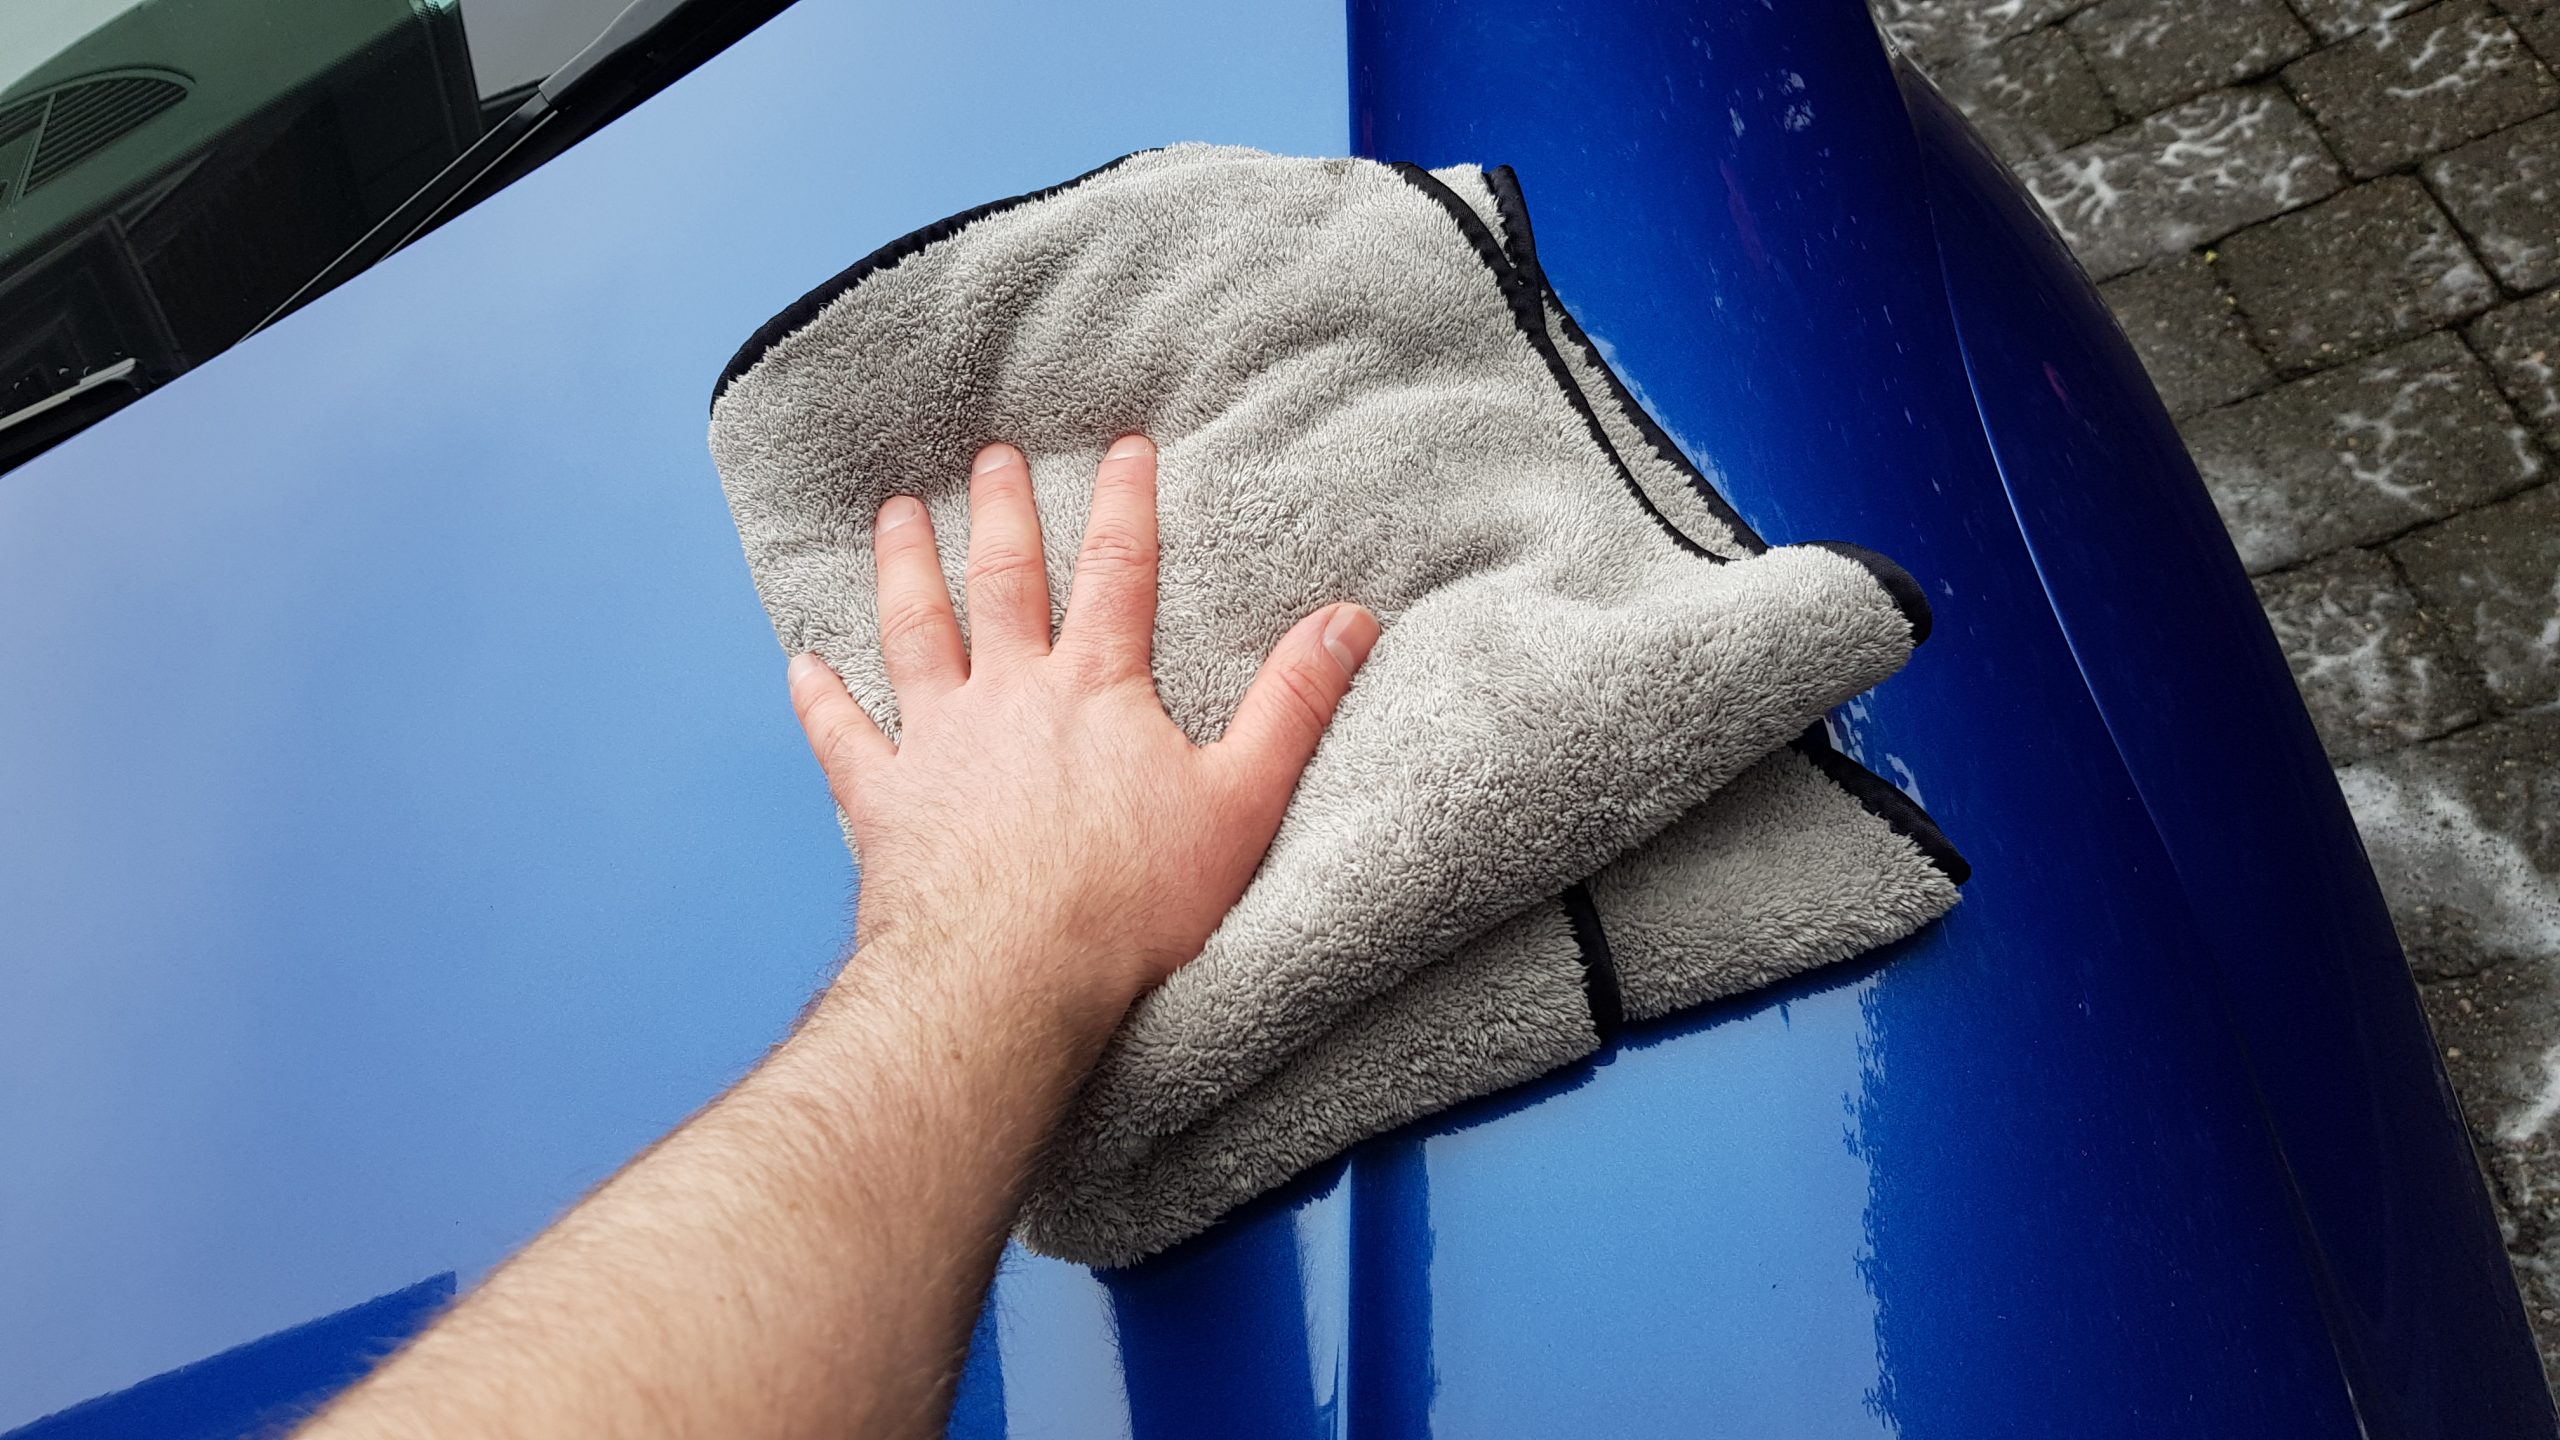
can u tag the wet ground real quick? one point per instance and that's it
(2332, 228)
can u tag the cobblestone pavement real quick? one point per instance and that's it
(2332, 229)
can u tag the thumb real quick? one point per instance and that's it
(841, 734)
(1284, 712)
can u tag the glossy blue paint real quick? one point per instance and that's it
(484, 849)
(2150, 1131)
(261, 1388)
(401, 822)
(2420, 1297)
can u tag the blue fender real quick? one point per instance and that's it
(2152, 1130)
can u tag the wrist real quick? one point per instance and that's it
(1035, 992)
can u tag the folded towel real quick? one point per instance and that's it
(1360, 388)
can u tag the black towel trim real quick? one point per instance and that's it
(1521, 239)
(1520, 245)
(805, 309)
(1599, 967)
(1526, 293)
(1898, 811)
(1898, 584)
(1527, 304)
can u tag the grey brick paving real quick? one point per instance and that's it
(2150, 54)
(2403, 523)
(2338, 19)
(2493, 577)
(1947, 29)
(2426, 81)
(2186, 175)
(2366, 267)
(2495, 1027)
(2376, 670)
(2461, 835)
(2357, 454)
(2538, 21)
(2522, 345)
(2465, 836)
(2030, 95)
(2504, 191)
(2187, 331)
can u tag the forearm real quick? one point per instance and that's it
(805, 1255)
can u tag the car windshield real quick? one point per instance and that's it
(175, 173)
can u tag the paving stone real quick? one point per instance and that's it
(2376, 671)
(2461, 835)
(1945, 30)
(2504, 191)
(2150, 54)
(2184, 176)
(2522, 345)
(2338, 19)
(2541, 31)
(2187, 331)
(2538, 21)
(2425, 82)
(2495, 1030)
(2366, 267)
(2491, 1026)
(2030, 96)
(2464, 832)
(2357, 454)
(2534, 1283)
(2492, 576)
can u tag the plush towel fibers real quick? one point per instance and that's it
(1352, 380)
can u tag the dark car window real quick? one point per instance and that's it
(176, 173)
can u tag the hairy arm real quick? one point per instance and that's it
(806, 1255)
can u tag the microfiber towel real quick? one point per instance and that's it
(1360, 387)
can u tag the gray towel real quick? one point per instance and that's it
(1360, 388)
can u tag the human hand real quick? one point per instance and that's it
(1040, 812)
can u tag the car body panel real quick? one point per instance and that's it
(401, 819)
(460, 843)
(2415, 1280)
(2161, 1081)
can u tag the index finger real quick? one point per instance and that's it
(1111, 606)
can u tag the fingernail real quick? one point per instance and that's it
(1349, 635)
(994, 457)
(1127, 447)
(901, 510)
(804, 664)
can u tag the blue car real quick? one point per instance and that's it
(403, 824)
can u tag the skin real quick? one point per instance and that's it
(1042, 845)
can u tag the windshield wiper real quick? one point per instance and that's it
(76, 406)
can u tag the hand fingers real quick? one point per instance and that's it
(919, 636)
(840, 732)
(1284, 713)
(1111, 611)
(1008, 583)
